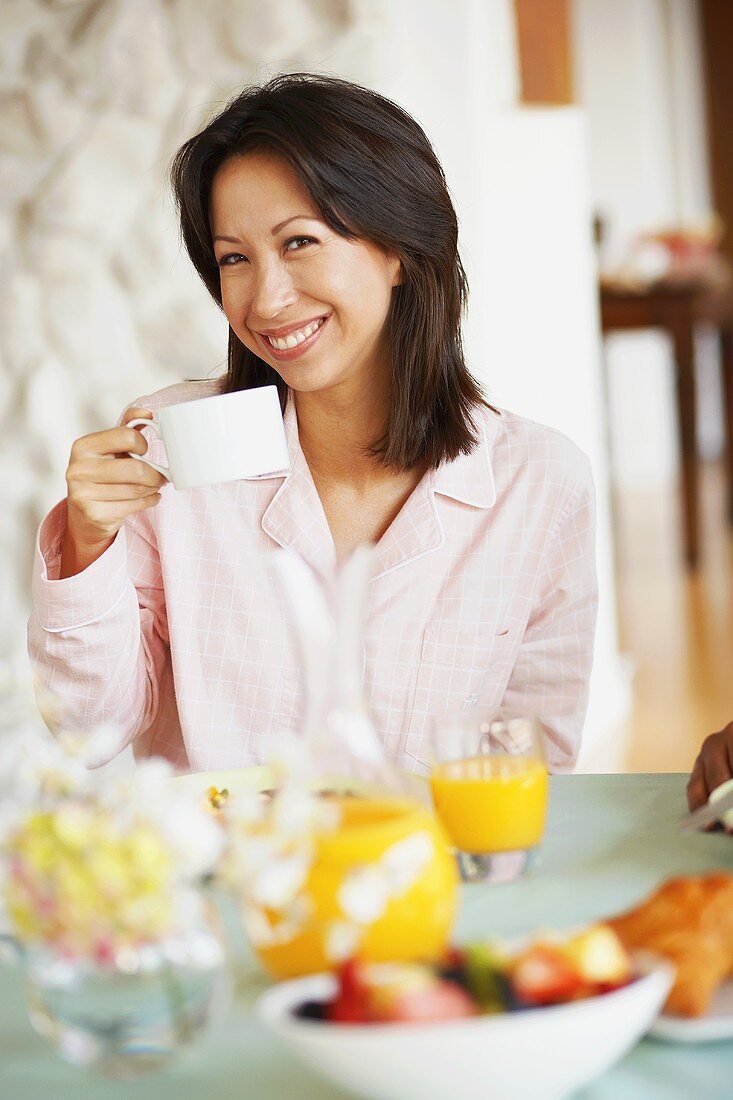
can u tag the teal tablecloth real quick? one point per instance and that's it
(610, 839)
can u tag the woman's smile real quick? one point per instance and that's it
(294, 342)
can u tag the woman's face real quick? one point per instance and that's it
(309, 302)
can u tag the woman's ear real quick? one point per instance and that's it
(397, 272)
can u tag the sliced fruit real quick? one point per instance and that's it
(542, 975)
(391, 992)
(436, 1000)
(485, 977)
(599, 956)
(351, 1005)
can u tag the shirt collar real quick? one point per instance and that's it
(469, 478)
(295, 518)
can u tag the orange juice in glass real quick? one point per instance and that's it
(489, 786)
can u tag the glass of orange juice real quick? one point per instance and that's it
(489, 786)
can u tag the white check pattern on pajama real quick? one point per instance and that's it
(485, 593)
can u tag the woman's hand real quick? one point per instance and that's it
(104, 487)
(714, 765)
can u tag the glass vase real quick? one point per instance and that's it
(134, 1015)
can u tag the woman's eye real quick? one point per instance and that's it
(294, 244)
(298, 242)
(231, 258)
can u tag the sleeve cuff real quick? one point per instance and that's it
(90, 595)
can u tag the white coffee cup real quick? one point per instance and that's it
(222, 438)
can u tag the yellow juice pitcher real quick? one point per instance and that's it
(383, 885)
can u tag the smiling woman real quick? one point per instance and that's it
(333, 291)
(318, 217)
(377, 256)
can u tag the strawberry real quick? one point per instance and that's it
(351, 1005)
(542, 975)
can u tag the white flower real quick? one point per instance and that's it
(404, 862)
(258, 928)
(277, 884)
(253, 854)
(245, 807)
(342, 941)
(292, 811)
(364, 893)
(195, 837)
(189, 830)
(147, 783)
(91, 747)
(264, 932)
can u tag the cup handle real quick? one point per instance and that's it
(154, 423)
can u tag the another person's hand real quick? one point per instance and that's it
(104, 487)
(714, 765)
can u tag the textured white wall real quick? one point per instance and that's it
(97, 302)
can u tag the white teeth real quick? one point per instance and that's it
(284, 343)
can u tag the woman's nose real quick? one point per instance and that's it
(273, 291)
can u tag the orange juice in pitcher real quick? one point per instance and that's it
(386, 874)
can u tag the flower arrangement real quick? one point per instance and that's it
(93, 864)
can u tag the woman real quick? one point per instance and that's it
(318, 217)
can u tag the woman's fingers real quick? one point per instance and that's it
(714, 765)
(136, 413)
(105, 485)
(123, 491)
(714, 755)
(697, 793)
(110, 514)
(111, 441)
(124, 471)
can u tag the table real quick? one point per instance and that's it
(677, 307)
(610, 839)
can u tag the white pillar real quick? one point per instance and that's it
(519, 178)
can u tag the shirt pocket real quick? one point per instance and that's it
(457, 670)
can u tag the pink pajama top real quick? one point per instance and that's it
(484, 594)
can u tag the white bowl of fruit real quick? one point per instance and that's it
(534, 1022)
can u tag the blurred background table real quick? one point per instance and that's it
(677, 305)
(610, 840)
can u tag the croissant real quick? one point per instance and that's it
(688, 920)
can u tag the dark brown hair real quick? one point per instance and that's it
(372, 174)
